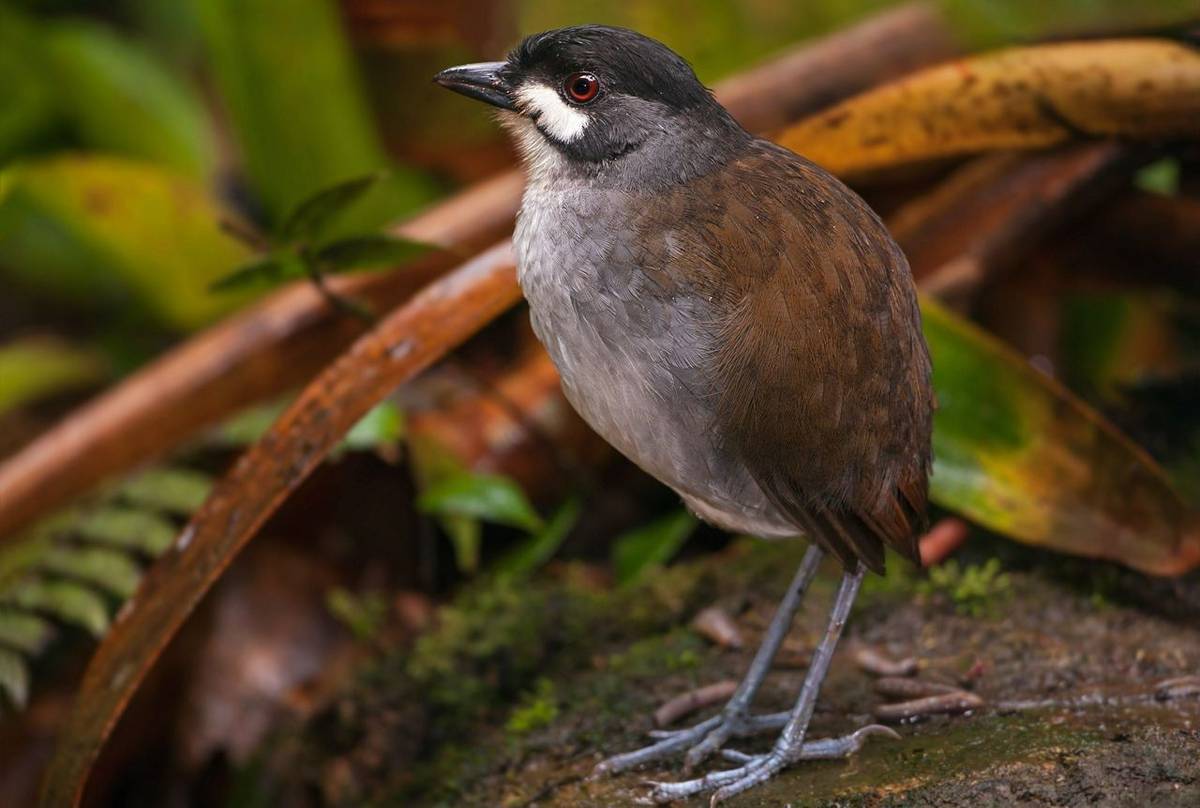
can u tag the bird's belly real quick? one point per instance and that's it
(611, 384)
(618, 373)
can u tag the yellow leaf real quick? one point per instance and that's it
(1020, 98)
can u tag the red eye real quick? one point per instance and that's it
(581, 87)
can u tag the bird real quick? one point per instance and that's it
(734, 320)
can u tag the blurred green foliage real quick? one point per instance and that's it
(75, 84)
(363, 614)
(119, 99)
(463, 500)
(113, 188)
(302, 247)
(287, 77)
(32, 368)
(649, 547)
(109, 232)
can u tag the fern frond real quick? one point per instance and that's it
(77, 567)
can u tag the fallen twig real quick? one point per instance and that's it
(689, 702)
(960, 701)
(715, 624)
(876, 662)
(895, 687)
(1178, 688)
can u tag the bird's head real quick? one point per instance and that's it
(593, 94)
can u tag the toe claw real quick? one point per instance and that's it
(863, 733)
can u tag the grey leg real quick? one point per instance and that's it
(708, 736)
(790, 746)
(737, 710)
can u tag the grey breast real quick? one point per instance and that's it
(631, 346)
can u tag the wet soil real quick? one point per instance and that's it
(523, 688)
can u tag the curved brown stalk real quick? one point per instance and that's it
(284, 340)
(435, 321)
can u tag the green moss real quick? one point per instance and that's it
(536, 709)
(362, 614)
(976, 590)
(900, 580)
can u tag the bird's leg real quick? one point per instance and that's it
(707, 736)
(790, 746)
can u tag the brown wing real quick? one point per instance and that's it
(827, 397)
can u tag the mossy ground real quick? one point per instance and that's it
(522, 688)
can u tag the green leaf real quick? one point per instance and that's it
(117, 97)
(1110, 341)
(285, 72)
(248, 425)
(1161, 177)
(489, 497)
(466, 537)
(97, 230)
(174, 491)
(311, 216)
(376, 251)
(266, 273)
(1019, 454)
(24, 632)
(110, 570)
(14, 677)
(362, 614)
(19, 556)
(651, 546)
(35, 367)
(27, 98)
(381, 428)
(68, 601)
(540, 547)
(127, 528)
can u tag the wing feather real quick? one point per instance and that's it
(821, 374)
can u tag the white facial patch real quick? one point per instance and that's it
(555, 116)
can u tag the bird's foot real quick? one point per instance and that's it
(756, 769)
(700, 740)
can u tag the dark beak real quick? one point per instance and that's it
(482, 81)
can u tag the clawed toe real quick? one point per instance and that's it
(666, 746)
(754, 769)
(701, 741)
